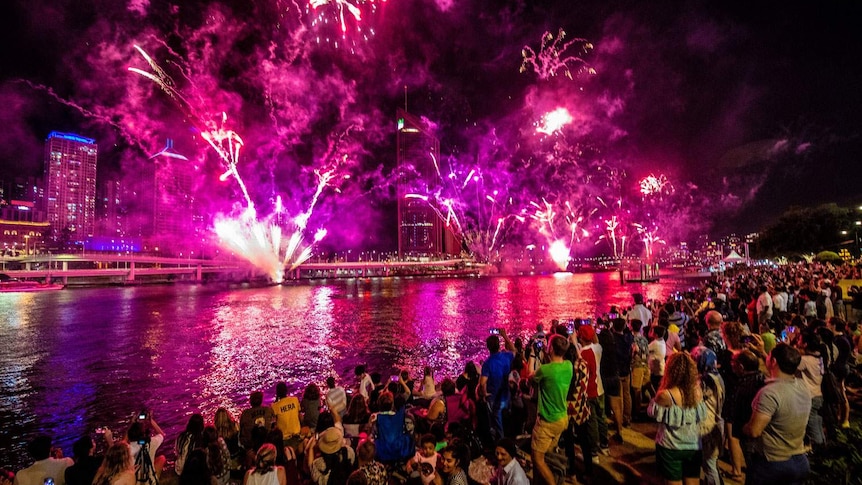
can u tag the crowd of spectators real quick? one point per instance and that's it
(750, 367)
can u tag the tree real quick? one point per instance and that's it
(804, 230)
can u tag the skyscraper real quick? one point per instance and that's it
(421, 232)
(167, 201)
(70, 184)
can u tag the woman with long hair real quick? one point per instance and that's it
(218, 456)
(265, 471)
(227, 429)
(678, 407)
(357, 417)
(117, 467)
(454, 461)
(190, 439)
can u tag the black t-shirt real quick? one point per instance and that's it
(83, 471)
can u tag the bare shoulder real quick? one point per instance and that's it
(663, 398)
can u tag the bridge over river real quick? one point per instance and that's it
(104, 268)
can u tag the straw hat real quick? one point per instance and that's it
(330, 440)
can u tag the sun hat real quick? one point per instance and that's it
(330, 440)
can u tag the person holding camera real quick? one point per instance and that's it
(145, 437)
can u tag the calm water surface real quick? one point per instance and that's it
(76, 359)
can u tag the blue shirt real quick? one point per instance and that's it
(497, 369)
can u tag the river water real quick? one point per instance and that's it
(76, 359)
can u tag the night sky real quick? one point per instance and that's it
(746, 109)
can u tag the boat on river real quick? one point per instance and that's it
(9, 284)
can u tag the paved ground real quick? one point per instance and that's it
(633, 462)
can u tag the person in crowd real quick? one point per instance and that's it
(597, 426)
(468, 380)
(778, 423)
(714, 340)
(373, 471)
(679, 409)
(310, 406)
(217, 455)
(190, 439)
(841, 366)
(389, 428)
(265, 471)
(623, 342)
(285, 413)
(429, 388)
(508, 471)
(712, 429)
(196, 470)
(44, 466)
(639, 311)
(116, 468)
(493, 385)
(763, 309)
(552, 382)
(364, 384)
(145, 437)
(227, 429)
(356, 419)
(427, 453)
(611, 382)
(336, 461)
(454, 460)
(86, 462)
(639, 363)
(657, 356)
(257, 415)
(811, 372)
(336, 397)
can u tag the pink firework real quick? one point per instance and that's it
(655, 186)
(616, 236)
(348, 18)
(553, 57)
(554, 121)
(258, 240)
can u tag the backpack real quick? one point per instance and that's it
(338, 467)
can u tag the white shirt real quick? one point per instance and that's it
(640, 312)
(48, 468)
(657, 354)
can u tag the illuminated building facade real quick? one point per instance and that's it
(70, 184)
(22, 228)
(421, 232)
(168, 201)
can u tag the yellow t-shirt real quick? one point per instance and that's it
(286, 412)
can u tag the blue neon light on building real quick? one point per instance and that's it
(71, 137)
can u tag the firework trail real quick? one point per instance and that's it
(259, 241)
(552, 58)
(562, 229)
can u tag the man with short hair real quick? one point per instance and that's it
(285, 411)
(494, 380)
(552, 381)
(336, 398)
(764, 310)
(639, 311)
(640, 370)
(713, 340)
(256, 415)
(86, 463)
(623, 341)
(778, 423)
(45, 465)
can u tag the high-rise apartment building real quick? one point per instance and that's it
(421, 232)
(70, 185)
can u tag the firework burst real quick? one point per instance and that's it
(553, 56)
